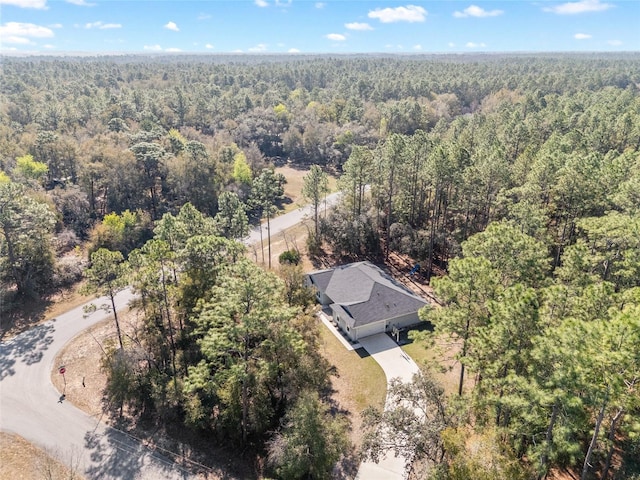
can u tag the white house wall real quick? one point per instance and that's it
(367, 330)
(403, 321)
(374, 328)
(323, 299)
(339, 319)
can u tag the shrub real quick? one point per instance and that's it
(68, 271)
(291, 257)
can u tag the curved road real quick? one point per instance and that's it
(31, 407)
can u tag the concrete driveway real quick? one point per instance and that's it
(395, 363)
(393, 360)
(31, 407)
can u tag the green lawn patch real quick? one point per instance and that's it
(360, 382)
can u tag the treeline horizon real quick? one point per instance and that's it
(519, 175)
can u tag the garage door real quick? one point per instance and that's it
(371, 329)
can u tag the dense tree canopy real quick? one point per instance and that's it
(519, 175)
(25, 228)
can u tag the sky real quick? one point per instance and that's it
(309, 26)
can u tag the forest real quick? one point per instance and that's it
(512, 180)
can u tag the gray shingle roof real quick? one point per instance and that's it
(321, 279)
(366, 293)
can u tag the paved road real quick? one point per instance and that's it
(31, 407)
(395, 363)
(288, 220)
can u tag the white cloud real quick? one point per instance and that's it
(451, 44)
(209, 46)
(410, 13)
(81, 3)
(237, 50)
(7, 49)
(475, 45)
(615, 43)
(102, 26)
(204, 16)
(48, 46)
(319, 5)
(172, 50)
(582, 36)
(39, 4)
(17, 40)
(172, 26)
(583, 6)
(55, 25)
(22, 33)
(261, 47)
(336, 37)
(153, 48)
(293, 50)
(261, 3)
(417, 47)
(358, 26)
(475, 11)
(283, 3)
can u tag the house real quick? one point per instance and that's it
(364, 300)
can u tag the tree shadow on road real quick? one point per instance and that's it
(21, 315)
(117, 454)
(28, 347)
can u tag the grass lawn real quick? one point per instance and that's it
(293, 187)
(419, 351)
(445, 368)
(365, 378)
(359, 381)
(294, 238)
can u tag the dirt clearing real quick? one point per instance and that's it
(82, 359)
(293, 187)
(20, 460)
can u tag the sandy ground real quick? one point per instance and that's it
(84, 381)
(20, 460)
(36, 312)
(295, 182)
